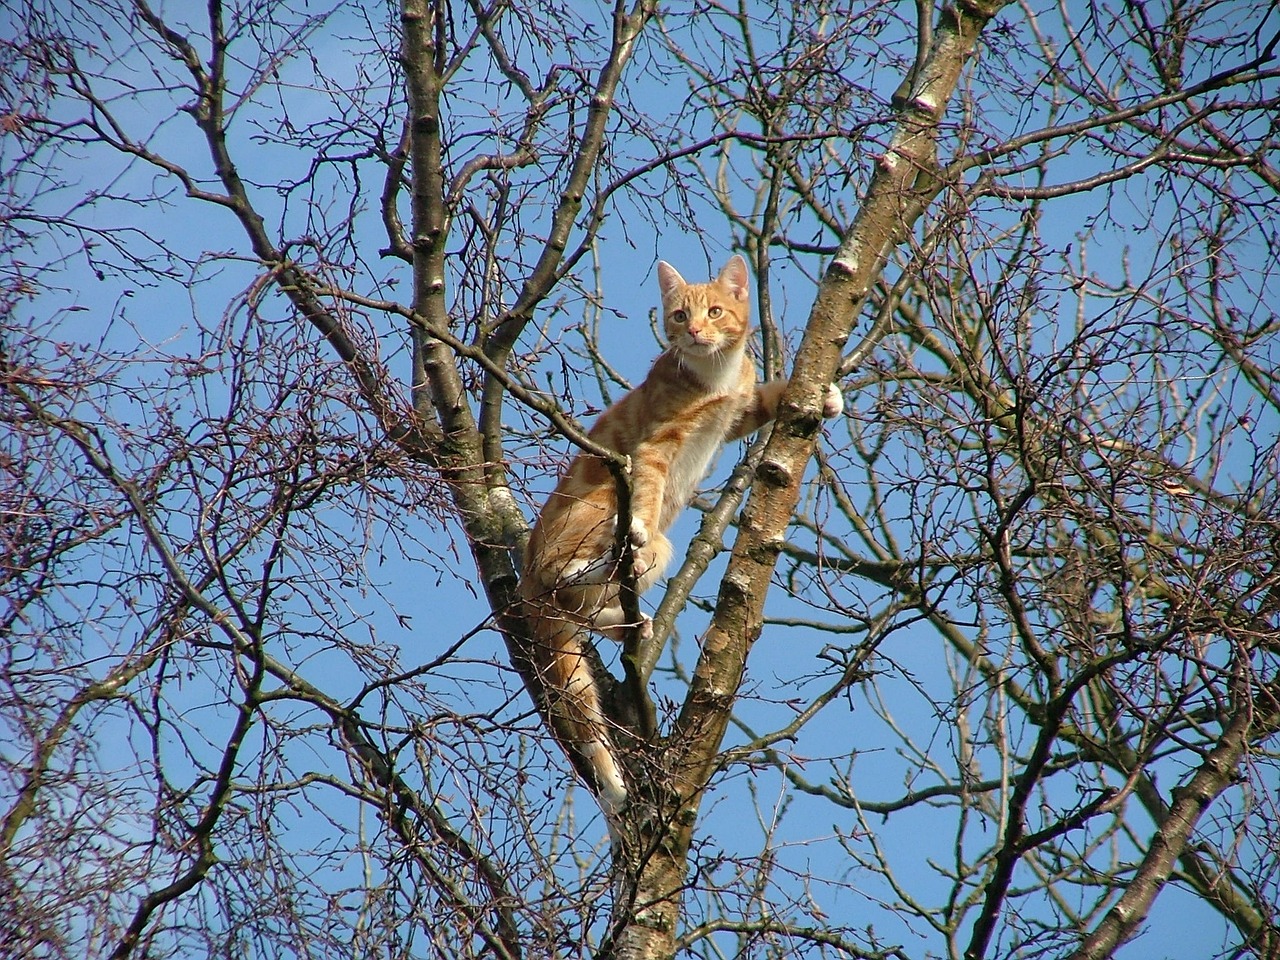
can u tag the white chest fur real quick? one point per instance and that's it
(724, 374)
(690, 463)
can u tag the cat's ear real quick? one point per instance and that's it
(734, 277)
(669, 281)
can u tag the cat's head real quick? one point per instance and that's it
(704, 319)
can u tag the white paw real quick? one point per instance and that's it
(646, 627)
(833, 405)
(639, 531)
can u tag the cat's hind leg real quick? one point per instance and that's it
(650, 562)
(650, 556)
(611, 622)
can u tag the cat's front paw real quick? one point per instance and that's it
(833, 405)
(639, 532)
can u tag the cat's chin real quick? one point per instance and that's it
(694, 348)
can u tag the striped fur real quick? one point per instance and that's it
(701, 392)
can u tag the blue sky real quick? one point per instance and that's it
(418, 575)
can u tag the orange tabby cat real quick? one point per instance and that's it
(701, 392)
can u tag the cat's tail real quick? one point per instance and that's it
(572, 694)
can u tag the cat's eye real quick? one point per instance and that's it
(679, 316)
(714, 312)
